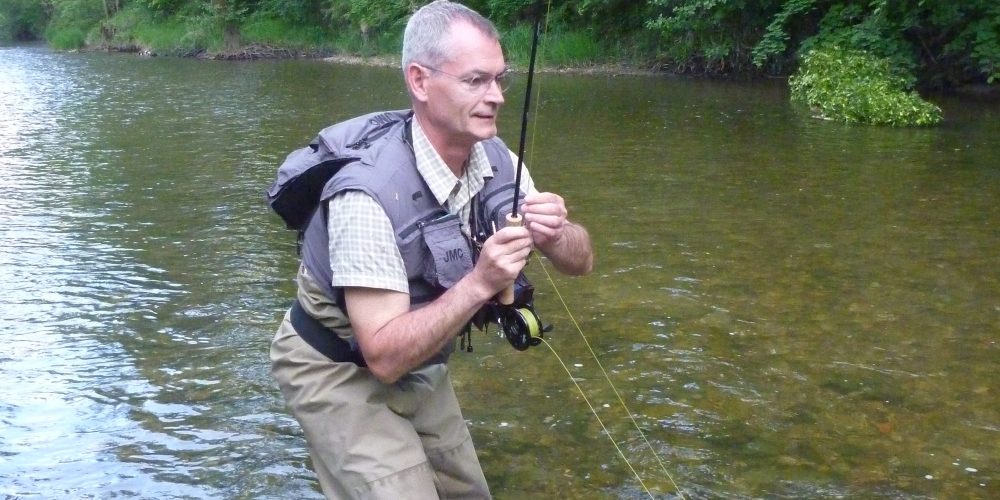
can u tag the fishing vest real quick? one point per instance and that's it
(436, 254)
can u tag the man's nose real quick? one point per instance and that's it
(494, 93)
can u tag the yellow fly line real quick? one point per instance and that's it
(631, 416)
(579, 330)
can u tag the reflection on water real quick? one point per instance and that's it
(790, 307)
(133, 359)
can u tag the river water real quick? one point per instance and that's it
(788, 307)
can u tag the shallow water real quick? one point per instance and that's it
(789, 307)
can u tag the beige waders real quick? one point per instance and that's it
(367, 439)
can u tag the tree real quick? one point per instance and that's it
(943, 44)
(22, 19)
(230, 13)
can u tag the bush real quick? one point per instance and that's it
(854, 86)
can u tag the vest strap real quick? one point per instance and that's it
(322, 338)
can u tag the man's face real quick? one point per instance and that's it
(462, 114)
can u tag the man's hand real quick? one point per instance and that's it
(395, 339)
(501, 259)
(545, 217)
(566, 244)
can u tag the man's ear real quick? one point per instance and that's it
(416, 80)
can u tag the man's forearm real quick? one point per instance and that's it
(571, 253)
(411, 338)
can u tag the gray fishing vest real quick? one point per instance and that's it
(435, 253)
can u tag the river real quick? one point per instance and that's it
(788, 307)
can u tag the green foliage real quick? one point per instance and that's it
(572, 48)
(854, 86)
(937, 44)
(285, 33)
(854, 27)
(775, 39)
(71, 21)
(178, 37)
(22, 20)
(167, 7)
(985, 42)
(506, 12)
(368, 16)
(232, 12)
(301, 12)
(709, 36)
(976, 43)
(368, 27)
(118, 31)
(196, 34)
(944, 43)
(68, 38)
(138, 27)
(558, 48)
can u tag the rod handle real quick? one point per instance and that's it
(506, 296)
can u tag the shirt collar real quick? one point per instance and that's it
(443, 183)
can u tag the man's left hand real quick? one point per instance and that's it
(545, 217)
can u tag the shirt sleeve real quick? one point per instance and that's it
(527, 184)
(363, 251)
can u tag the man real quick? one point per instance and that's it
(380, 416)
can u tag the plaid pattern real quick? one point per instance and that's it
(454, 193)
(363, 249)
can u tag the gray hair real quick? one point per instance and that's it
(424, 34)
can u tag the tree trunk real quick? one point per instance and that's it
(230, 27)
(231, 37)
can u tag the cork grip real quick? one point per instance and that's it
(506, 296)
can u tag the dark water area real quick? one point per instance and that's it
(789, 307)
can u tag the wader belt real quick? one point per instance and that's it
(322, 338)
(337, 349)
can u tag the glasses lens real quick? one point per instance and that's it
(504, 80)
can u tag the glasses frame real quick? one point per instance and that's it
(502, 79)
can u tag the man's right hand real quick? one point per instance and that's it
(395, 339)
(502, 258)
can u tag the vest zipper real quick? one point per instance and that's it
(408, 230)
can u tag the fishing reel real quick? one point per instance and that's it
(518, 321)
(521, 327)
(515, 313)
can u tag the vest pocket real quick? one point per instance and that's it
(450, 254)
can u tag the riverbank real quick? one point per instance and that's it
(609, 69)
(267, 36)
(260, 51)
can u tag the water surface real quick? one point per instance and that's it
(790, 307)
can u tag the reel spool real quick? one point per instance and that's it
(521, 327)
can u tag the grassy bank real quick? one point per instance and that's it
(196, 28)
(136, 29)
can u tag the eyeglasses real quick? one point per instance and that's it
(479, 83)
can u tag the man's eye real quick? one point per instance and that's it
(475, 81)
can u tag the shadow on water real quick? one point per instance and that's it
(789, 307)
